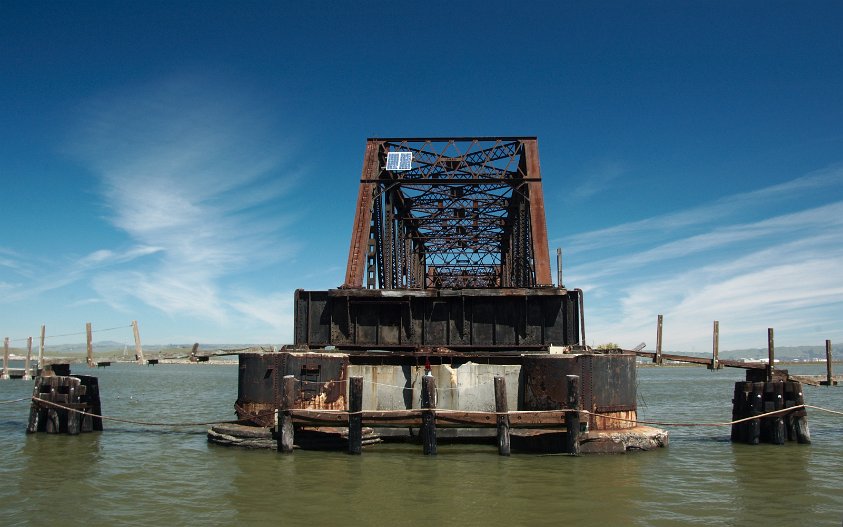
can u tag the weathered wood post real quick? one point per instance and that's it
(572, 418)
(41, 349)
(502, 409)
(740, 409)
(355, 417)
(74, 419)
(803, 434)
(27, 365)
(5, 374)
(755, 404)
(284, 430)
(36, 413)
(138, 347)
(828, 370)
(778, 432)
(771, 354)
(428, 402)
(90, 336)
(53, 425)
(715, 347)
(658, 358)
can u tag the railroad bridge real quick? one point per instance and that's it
(448, 284)
(448, 249)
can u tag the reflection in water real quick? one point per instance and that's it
(131, 474)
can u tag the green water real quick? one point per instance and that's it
(137, 475)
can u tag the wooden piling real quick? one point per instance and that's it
(740, 409)
(27, 365)
(90, 336)
(715, 347)
(803, 434)
(771, 354)
(138, 347)
(755, 405)
(74, 421)
(789, 402)
(355, 417)
(778, 432)
(829, 376)
(658, 357)
(502, 407)
(428, 403)
(572, 419)
(284, 430)
(41, 349)
(5, 374)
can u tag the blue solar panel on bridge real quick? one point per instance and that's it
(399, 160)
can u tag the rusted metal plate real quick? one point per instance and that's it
(322, 382)
(608, 385)
(482, 320)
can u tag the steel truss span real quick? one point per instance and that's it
(468, 214)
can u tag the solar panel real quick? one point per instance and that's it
(399, 160)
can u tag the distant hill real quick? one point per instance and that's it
(783, 353)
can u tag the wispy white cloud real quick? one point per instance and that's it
(718, 212)
(188, 174)
(596, 180)
(67, 271)
(782, 271)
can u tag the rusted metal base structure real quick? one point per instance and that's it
(448, 276)
(481, 320)
(392, 381)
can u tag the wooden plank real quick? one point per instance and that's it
(444, 418)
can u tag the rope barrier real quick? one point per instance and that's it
(441, 411)
(15, 400)
(131, 421)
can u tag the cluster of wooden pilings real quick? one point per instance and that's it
(754, 398)
(54, 400)
(428, 418)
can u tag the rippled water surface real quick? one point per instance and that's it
(139, 475)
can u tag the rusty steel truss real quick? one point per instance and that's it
(448, 250)
(468, 213)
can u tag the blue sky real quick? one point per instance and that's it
(190, 164)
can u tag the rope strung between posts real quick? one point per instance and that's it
(130, 421)
(15, 400)
(444, 411)
(420, 411)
